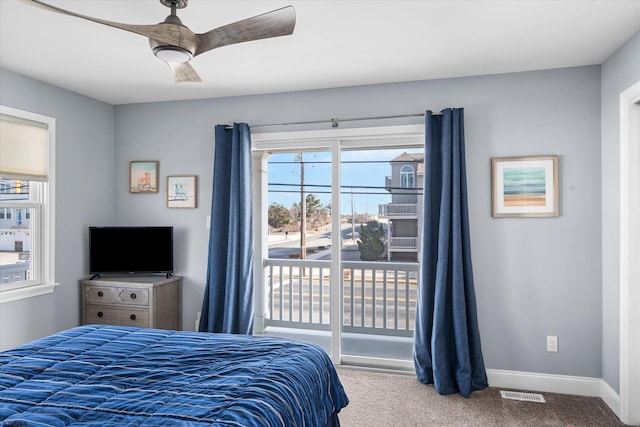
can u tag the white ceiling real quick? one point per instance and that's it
(335, 43)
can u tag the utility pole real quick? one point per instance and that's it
(303, 210)
(353, 219)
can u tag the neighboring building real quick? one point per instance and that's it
(404, 213)
(15, 223)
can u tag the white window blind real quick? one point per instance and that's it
(23, 149)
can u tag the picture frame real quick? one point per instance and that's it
(524, 186)
(182, 191)
(143, 176)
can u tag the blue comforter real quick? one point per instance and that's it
(100, 375)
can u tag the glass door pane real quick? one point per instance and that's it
(298, 288)
(381, 193)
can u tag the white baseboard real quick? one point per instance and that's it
(610, 397)
(581, 386)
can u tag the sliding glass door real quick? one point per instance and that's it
(337, 223)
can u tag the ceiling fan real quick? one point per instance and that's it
(176, 44)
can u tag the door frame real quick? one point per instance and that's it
(630, 250)
(334, 139)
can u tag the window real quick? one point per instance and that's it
(27, 151)
(407, 177)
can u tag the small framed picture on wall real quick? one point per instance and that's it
(524, 186)
(182, 191)
(143, 176)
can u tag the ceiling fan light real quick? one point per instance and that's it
(172, 54)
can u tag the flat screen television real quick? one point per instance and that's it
(130, 250)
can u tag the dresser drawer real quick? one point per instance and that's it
(116, 315)
(133, 296)
(100, 294)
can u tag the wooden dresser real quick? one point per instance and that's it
(146, 301)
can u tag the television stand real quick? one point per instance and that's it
(143, 301)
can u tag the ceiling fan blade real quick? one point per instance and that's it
(184, 72)
(169, 34)
(279, 22)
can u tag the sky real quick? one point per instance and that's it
(360, 168)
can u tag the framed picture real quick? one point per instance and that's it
(182, 191)
(143, 176)
(524, 186)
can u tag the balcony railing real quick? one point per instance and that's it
(377, 297)
(402, 243)
(398, 210)
(16, 272)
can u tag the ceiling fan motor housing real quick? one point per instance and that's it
(176, 53)
(187, 39)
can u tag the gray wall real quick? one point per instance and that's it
(534, 276)
(619, 72)
(84, 196)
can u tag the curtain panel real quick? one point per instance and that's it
(447, 349)
(228, 297)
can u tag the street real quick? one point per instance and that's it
(318, 245)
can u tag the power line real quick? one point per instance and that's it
(414, 189)
(276, 162)
(412, 193)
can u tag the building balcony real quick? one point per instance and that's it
(398, 210)
(402, 244)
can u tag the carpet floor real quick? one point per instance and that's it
(381, 399)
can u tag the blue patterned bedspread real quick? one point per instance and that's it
(100, 375)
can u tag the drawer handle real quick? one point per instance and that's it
(133, 295)
(133, 317)
(100, 293)
(100, 314)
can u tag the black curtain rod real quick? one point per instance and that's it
(336, 121)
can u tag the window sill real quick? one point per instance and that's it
(26, 292)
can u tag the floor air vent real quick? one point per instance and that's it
(527, 397)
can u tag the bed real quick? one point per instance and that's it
(100, 375)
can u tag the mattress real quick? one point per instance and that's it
(99, 375)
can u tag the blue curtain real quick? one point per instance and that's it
(447, 351)
(228, 297)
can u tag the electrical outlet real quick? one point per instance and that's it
(552, 344)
